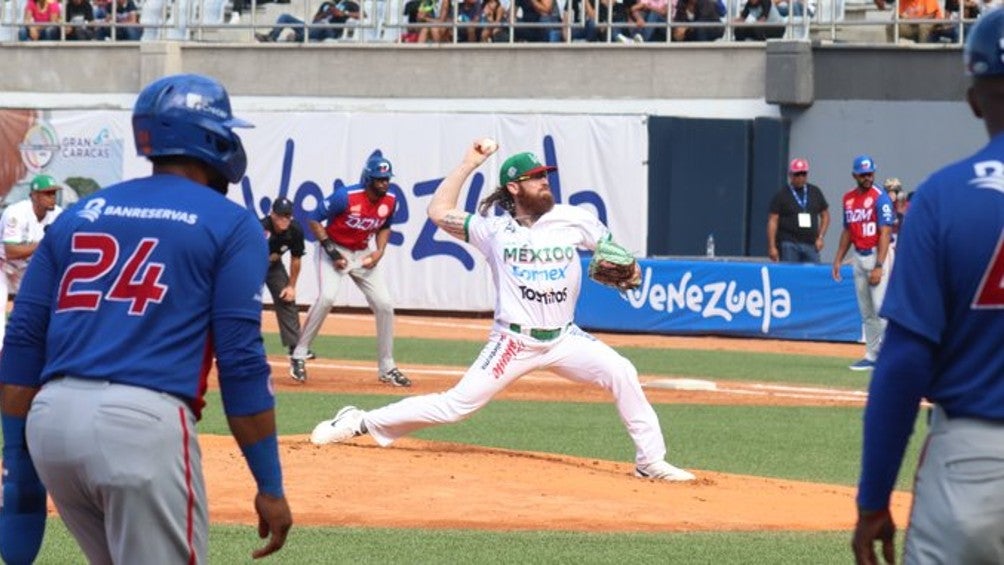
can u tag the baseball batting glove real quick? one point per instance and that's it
(614, 266)
(331, 250)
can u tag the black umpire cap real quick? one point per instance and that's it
(283, 207)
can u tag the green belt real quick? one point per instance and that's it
(538, 333)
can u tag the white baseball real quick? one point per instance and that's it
(487, 146)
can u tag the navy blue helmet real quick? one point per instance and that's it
(377, 167)
(189, 115)
(984, 52)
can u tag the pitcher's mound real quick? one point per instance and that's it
(422, 484)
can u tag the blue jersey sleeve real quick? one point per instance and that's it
(886, 211)
(244, 374)
(332, 206)
(24, 341)
(904, 370)
(910, 299)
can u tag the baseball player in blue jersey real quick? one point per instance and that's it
(345, 224)
(129, 297)
(945, 308)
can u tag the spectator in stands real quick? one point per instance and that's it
(328, 13)
(649, 17)
(537, 12)
(125, 14)
(797, 8)
(80, 16)
(949, 33)
(443, 33)
(696, 11)
(429, 13)
(612, 14)
(913, 10)
(798, 218)
(495, 15)
(582, 26)
(759, 12)
(410, 34)
(468, 12)
(41, 12)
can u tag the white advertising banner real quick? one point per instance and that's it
(601, 164)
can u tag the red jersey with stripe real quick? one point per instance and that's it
(864, 213)
(352, 218)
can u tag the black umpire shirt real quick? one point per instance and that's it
(787, 208)
(290, 240)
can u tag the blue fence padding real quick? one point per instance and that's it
(743, 298)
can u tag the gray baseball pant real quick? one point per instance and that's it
(123, 466)
(958, 503)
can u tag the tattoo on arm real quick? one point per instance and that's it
(453, 223)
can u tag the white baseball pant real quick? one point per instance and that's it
(373, 287)
(574, 355)
(870, 299)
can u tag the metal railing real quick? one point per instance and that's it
(205, 21)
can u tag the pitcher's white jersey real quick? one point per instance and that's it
(536, 269)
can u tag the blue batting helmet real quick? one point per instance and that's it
(863, 164)
(377, 167)
(190, 115)
(983, 53)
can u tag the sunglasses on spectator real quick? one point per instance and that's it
(866, 174)
(802, 174)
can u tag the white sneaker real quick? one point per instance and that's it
(235, 18)
(623, 38)
(664, 472)
(347, 424)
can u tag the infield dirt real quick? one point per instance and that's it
(422, 484)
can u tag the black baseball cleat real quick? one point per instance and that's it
(395, 377)
(298, 370)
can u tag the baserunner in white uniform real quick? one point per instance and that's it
(532, 252)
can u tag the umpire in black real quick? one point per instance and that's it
(284, 234)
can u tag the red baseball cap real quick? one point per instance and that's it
(798, 166)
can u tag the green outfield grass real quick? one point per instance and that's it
(722, 365)
(313, 545)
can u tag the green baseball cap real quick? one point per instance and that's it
(522, 165)
(44, 183)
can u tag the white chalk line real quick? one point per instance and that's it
(756, 389)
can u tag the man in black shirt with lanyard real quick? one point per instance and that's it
(284, 234)
(798, 219)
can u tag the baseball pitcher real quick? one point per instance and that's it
(532, 252)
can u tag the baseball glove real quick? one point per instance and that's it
(614, 266)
